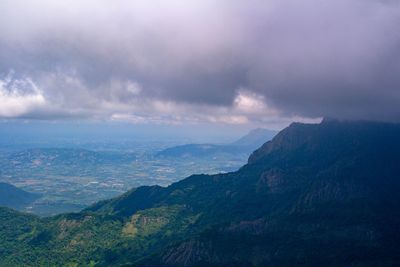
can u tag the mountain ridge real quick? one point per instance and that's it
(14, 197)
(316, 195)
(243, 145)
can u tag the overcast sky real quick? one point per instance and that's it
(258, 62)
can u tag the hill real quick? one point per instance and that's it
(316, 195)
(245, 145)
(13, 197)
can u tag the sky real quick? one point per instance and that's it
(250, 63)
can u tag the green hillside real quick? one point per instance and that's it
(316, 195)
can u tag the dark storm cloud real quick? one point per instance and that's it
(308, 58)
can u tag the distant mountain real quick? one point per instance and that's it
(255, 138)
(315, 195)
(244, 145)
(13, 197)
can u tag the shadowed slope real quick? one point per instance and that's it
(316, 195)
(13, 197)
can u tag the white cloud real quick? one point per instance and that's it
(18, 97)
(121, 100)
(229, 119)
(252, 103)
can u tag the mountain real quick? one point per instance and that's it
(244, 145)
(255, 138)
(315, 195)
(13, 197)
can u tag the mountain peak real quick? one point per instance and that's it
(292, 136)
(327, 134)
(255, 137)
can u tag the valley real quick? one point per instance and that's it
(73, 177)
(316, 195)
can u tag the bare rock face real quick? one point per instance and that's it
(271, 180)
(255, 227)
(188, 253)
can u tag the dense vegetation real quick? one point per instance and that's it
(316, 195)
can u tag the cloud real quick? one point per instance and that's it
(221, 61)
(251, 103)
(19, 97)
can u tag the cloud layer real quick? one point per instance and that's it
(19, 97)
(219, 61)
